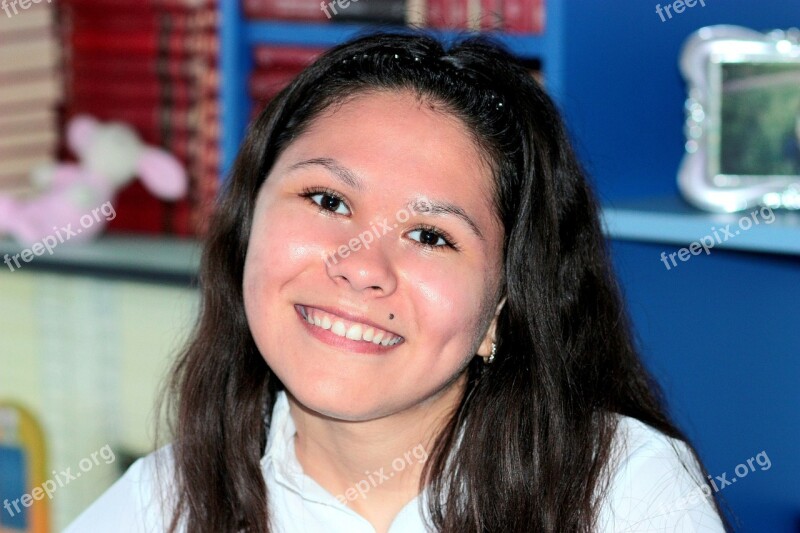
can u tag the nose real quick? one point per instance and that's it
(363, 266)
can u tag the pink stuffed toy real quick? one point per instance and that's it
(73, 196)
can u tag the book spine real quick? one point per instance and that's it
(491, 15)
(417, 12)
(269, 83)
(524, 16)
(435, 13)
(386, 11)
(308, 10)
(282, 56)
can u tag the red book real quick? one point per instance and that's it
(448, 13)
(146, 43)
(151, 64)
(128, 21)
(524, 16)
(458, 16)
(491, 14)
(436, 13)
(137, 70)
(146, 89)
(310, 10)
(124, 6)
(137, 210)
(267, 57)
(270, 83)
(101, 101)
(180, 217)
(539, 16)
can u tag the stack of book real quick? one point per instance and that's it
(153, 65)
(276, 66)
(273, 68)
(30, 91)
(518, 16)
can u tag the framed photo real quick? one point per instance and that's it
(742, 119)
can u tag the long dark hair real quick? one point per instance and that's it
(542, 413)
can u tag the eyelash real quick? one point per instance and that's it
(308, 192)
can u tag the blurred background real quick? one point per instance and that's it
(91, 317)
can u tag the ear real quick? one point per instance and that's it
(162, 174)
(485, 349)
(80, 130)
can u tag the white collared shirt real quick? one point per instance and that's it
(650, 491)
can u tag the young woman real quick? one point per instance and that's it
(409, 324)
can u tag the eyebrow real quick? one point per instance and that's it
(428, 206)
(439, 208)
(344, 174)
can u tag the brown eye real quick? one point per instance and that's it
(430, 237)
(327, 201)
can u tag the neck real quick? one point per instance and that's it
(374, 464)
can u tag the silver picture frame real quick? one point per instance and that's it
(739, 155)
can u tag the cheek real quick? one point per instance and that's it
(447, 303)
(279, 245)
(279, 250)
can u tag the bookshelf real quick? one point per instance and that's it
(713, 329)
(238, 35)
(719, 331)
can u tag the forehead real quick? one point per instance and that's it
(400, 144)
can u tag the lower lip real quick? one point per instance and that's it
(344, 343)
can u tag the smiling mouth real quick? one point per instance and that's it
(347, 329)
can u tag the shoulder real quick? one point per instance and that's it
(655, 484)
(136, 502)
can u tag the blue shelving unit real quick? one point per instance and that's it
(719, 331)
(665, 219)
(239, 35)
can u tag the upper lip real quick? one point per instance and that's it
(353, 317)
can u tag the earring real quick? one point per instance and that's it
(489, 360)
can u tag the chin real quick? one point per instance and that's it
(334, 397)
(335, 405)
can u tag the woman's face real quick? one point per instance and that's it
(332, 229)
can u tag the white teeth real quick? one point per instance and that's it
(354, 332)
(338, 328)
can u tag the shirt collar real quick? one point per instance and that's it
(281, 459)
